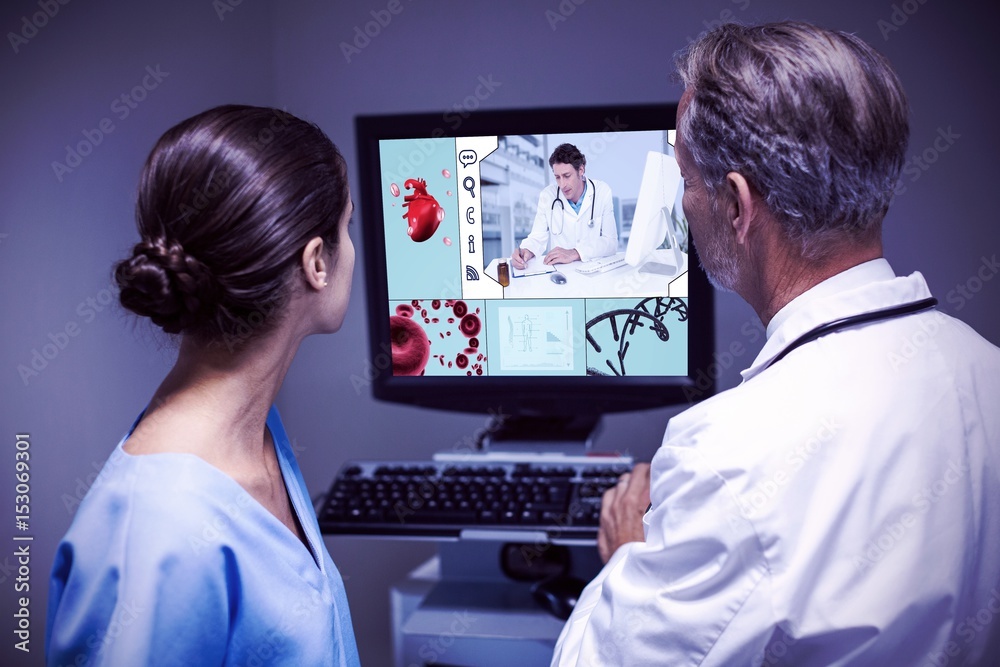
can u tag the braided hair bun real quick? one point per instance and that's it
(228, 200)
(162, 282)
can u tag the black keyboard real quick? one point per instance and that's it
(511, 501)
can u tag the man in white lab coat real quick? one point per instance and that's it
(842, 505)
(575, 216)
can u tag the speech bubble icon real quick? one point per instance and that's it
(467, 157)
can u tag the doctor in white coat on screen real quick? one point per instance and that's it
(575, 218)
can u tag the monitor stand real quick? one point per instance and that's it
(566, 435)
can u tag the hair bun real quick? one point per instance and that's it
(164, 283)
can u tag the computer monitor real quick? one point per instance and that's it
(445, 198)
(658, 219)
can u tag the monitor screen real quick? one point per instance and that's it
(610, 311)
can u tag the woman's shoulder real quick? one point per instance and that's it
(157, 501)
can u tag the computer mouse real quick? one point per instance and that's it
(558, 595)
(557, 278)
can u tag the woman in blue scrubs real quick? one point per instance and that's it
(198, 545)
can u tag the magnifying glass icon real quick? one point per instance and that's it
(469, 184)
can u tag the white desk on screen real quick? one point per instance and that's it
(622, 282)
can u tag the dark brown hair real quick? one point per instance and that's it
(568, 154)
(227, 201)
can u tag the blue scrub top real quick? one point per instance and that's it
(169, 561)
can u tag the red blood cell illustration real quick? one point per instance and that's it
(435, 304)
(468, 372)
(461, 361)
(479, 371)
(469, 350)
(410, 347)
(415, 303)
(460, 308)
(423, 214)
(404, 311)
(448, 192)
(473, 342)
(434, 320)
(447, 241)
(394, 189)
(470, 325)
(446, 173)
(427, 320)
(451, 320)
(479, 357)
(449, 364)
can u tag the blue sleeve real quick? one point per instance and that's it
(171, 604)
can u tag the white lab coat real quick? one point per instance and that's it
(840, 508)
(574, 229)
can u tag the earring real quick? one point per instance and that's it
(325, 283)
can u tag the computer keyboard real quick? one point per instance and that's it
(601, 265)
(510, 501)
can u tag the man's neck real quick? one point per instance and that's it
(786, 275)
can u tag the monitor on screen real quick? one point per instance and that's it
(445, 200)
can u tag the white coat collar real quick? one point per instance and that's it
(861, 289)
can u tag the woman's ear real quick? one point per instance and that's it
(315, 264)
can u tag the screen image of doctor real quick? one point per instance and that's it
(841, 505)
(197, 543)
(575, 216)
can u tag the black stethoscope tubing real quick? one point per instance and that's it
(847, 322)
(593, 202)
(855, 320)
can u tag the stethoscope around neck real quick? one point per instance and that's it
(853, 321)
(558, 200)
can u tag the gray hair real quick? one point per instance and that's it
(815, 120)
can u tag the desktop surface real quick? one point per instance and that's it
(622, 281)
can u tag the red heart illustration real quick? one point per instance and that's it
(423, 213)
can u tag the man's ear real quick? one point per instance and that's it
(315, 263)
(740, 206)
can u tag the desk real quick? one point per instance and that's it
(622, 282)
(459, 609)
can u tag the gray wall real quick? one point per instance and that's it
(58, 238)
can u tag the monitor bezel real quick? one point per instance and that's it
(519, 395)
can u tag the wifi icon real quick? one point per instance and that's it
(471, 273)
